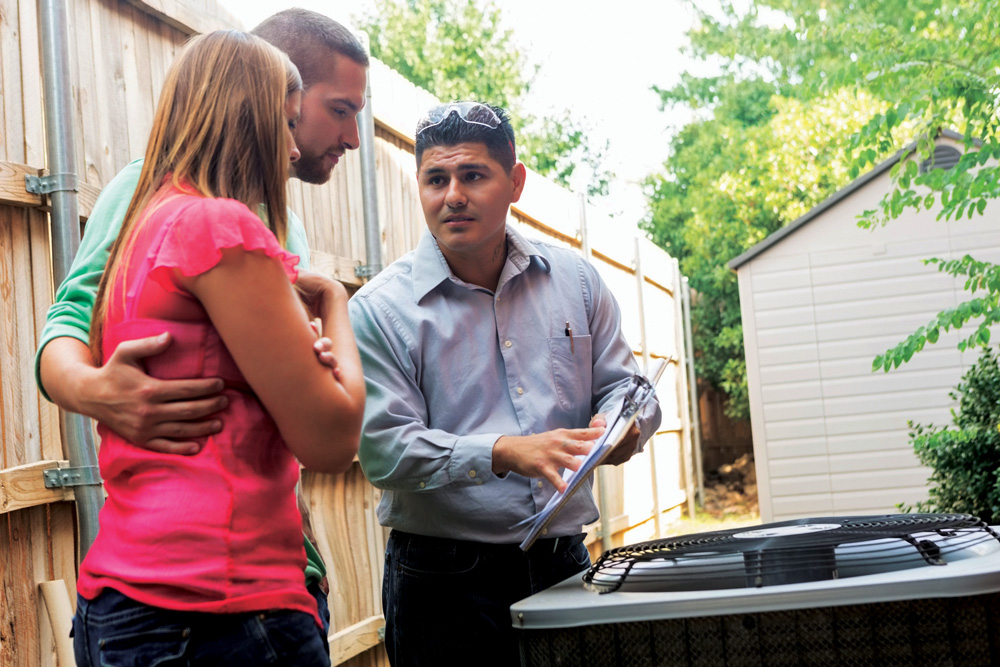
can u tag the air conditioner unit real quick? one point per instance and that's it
(905, 589)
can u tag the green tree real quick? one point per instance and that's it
(902, 70)
(457, 49)
(757, 162)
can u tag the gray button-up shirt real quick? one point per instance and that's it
(450, 367)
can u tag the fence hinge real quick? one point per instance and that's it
(60, 477)
(366, 271)
(43, 185)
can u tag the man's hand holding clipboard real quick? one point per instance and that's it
(620, 421)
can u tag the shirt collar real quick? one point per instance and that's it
(430, 268)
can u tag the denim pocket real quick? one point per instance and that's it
(428, 558)
(579, 556)
(146, 648)
(294, 638)
(113, 630)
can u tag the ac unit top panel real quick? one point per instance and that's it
(571, 604)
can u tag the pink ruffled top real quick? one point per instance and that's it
(218, 531)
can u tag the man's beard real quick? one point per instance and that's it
(310, 169)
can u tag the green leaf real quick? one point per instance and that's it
(908, 351)
(890, 118)
(877, 362)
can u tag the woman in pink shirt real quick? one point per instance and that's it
(199, 559)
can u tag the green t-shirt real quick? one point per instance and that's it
(73, 308)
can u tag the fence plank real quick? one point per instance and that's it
(351, 542)
(12, 185)
(19, 636)
(184, 17)
(41, 279)
(339, 268)
(10, 409)
(136, 80)
(23, 486)
(111, 81)
(38, 521)
(31, 83)
(96, 161)
(356, 639)
(24, 335)
(12, 124)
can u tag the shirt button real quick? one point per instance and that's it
(472, 473)
(507, 343)
(539, 484)
(422, 485)
(520, 391)
(545, 531)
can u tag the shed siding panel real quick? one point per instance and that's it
(792, 507)
(797, 447)
(790, 391)
(832, 435)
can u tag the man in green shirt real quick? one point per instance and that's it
(170, 415)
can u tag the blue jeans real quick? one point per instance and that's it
(323, 607)
(113, 630)
(447, 602)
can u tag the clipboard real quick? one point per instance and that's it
(640, 392)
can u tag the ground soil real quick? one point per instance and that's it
(729, 500)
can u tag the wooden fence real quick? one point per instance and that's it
(120, 51)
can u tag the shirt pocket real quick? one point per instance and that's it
(572, 371)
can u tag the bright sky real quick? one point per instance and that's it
(596, 58)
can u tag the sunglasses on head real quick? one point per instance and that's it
(470, 112)
(474, 113)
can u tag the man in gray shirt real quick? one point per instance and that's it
(488, 361)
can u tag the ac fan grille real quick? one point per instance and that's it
(958, 632)
(855, 545)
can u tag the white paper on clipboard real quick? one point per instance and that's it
(619, 419)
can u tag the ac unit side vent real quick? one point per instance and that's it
(962, 631)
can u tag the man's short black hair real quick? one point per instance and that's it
(453, 130)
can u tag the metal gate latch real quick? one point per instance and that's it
(43, 185)
(60, 477)
(366, 271)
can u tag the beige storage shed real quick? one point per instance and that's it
(820, 299)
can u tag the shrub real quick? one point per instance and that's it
(965, 458)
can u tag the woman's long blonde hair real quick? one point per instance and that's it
(218, 131)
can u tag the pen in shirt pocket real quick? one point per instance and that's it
(569, 333)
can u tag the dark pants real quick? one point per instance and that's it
(115, 631)
(323, 608)
(447, 602)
